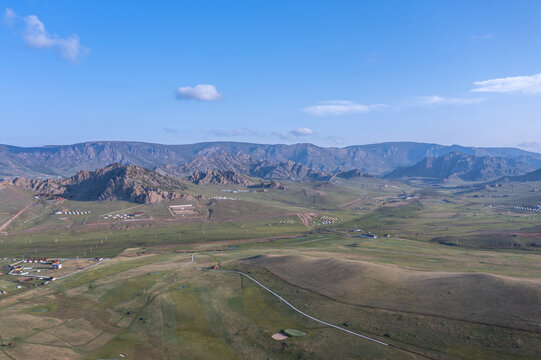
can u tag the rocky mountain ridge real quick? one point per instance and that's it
(219, 177)
(463, 166)
(376, 159)
(531, 176)
(116, 181)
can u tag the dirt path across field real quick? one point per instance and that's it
(305, 218)
(350, 203)
(6, 224)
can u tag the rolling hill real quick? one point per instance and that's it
(480, 297)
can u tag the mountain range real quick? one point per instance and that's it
(463, 166)
(292, 162)
(531, 176)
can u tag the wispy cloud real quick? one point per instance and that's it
(201, 92)
(514, 84)
(9, 17)
(36, 36)
(341, 107)
(301, 132)
(335, 140)
(530, 145)
(440, 100)
(225, 133)
(294, 134)
(170, 130)
(235, 133)
(482, 36)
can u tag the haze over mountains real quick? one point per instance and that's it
(465, 167)
(291, 162)
(531, 176)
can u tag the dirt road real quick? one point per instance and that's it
(6, 224)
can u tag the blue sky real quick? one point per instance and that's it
(333, 73)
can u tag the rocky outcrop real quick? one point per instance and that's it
(287, 170)
(219, 177)
(131, 183)
(272, 185)
(352, 174)
(48, 186)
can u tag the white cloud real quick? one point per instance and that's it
(36, 36)
(302, 132)
(514, 84)
(440, 100)
(340, 107)
(293, 135)
(201, 92)
(9, 17)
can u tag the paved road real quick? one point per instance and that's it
(299, 311)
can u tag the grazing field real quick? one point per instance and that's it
(446, 273)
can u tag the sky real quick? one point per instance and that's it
(332, 73)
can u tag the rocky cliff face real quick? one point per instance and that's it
(287, 170)
(219, 177)
(131, 183)
(219, 167)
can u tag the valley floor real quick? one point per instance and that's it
(447, 273)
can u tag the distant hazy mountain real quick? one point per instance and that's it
(66, 160)
(131, 183)
(463, 166)
(240, 163)
(531, 176)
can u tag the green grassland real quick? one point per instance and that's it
(12, 200)
(458, 278)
